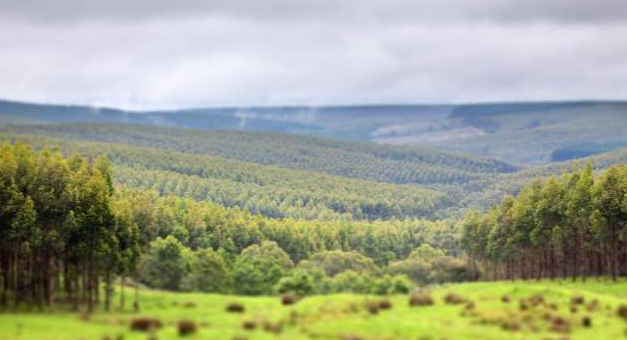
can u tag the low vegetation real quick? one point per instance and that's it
(534, 310)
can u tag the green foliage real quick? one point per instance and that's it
(209, 272)
(270, 191)
(390, 285)
(569, 226)
(426, 265)
(333, 315)
(165, 264)
(336, 157)
(258, 268)
(300, 283)
(352, 282)
(336, 261)
(58, 214)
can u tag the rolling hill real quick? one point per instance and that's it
(325, 178)
(522, 133)
(354, 159)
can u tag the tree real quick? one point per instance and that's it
(258, 268)
(352, 282)
(165, 264)
(298, 283)
(208, 273)
(335, 261)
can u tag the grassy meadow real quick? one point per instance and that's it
(482, 314)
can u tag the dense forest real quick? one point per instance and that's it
(58, 220)
(526, 133)
(76, 231)
(572, 225)
(336, 157)
(86, 208)
(272, 192)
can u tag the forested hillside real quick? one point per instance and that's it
(568, 226)
(526, 133)
(541, 133)
(283, 175)
(269, 191)
(336, 157)
(65, 220)
(510, 184)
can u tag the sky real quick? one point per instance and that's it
(147, 54)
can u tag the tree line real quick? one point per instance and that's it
(569, 226)
(254, 254)
(272, 192)
(59, 231)
(67, 233)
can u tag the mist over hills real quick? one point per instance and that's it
(521, 133)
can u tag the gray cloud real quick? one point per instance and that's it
(170, 54)
(272, 10)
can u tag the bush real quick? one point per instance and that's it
(209, 273)
(453, 299)
(288, 300)
(385, 304)
(235, 308)
(399, 284)
(187, 327)
(145, 324)
(299, 283)
(335, 262)
(259, 268)
(164, 264)
(421, 299)
(249, 325)
(622, 312)
(352, 282)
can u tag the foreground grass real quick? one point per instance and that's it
(345, 317)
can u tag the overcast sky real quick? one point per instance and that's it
(185, 53)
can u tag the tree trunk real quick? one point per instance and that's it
(122, 295)
(136, 302)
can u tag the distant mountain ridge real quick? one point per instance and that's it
(526, 133)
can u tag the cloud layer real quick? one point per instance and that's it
(149, 54)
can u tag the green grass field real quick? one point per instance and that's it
(346, 317)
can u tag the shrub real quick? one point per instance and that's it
(145, 324)
(235, 308)
(536, 300)
(271, 327)
(453, 299)
(560, 325)
(385, 304)
(577, 300)
(586, 322)
(288, 300)
(187, 327)
(249, 325)
(299, 283)
(622, 312)
(372, 307)
(421, 299)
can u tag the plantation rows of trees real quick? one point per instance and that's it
(352, 159)
(272, 192)
(571, 226)
(58, 229)
(68, 235)
(203, 225)
(267, 269)
(260, 255)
